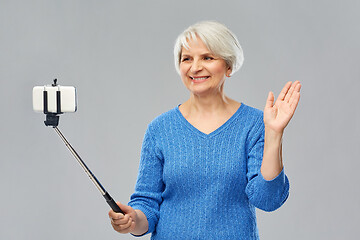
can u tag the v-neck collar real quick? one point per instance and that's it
(216, 131)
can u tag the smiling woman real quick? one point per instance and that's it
(199, 65)
(218, 39)
(209, 162)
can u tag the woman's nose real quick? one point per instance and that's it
(196, 66)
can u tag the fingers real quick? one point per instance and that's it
(295, 97)
(284, 91)
(122, 225)
(270, 100)
(115, 215)
(125, 208)
(294, 88)
(120, 222)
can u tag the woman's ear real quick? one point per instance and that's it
(228, 72)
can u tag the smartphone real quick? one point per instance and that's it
(54, 99)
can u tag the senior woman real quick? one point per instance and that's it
(207, 163)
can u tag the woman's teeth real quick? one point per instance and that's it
(198, 78)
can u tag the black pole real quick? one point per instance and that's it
(92, 177)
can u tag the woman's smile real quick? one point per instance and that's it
(199, 79)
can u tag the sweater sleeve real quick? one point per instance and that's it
(149, 185)
(267, 195)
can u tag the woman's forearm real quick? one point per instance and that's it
(272, 158)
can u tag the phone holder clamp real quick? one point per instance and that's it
(52, 119)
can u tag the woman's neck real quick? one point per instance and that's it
(209, 104)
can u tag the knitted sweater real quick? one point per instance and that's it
(193, 185)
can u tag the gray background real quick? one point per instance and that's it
(119, 56)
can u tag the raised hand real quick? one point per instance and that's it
(277, 115)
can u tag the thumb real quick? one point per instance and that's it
(270, 100)
(125, 208)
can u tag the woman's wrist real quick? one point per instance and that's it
(142, 224)
(273, 136)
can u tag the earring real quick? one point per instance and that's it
(228, 72)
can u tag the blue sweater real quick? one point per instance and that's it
(193, 185)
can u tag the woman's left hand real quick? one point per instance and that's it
(277, 115)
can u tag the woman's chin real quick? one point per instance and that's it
(200, 91)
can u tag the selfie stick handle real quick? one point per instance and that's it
(102, 190)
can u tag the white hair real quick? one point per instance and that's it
(217, 38)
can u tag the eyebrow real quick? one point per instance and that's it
(204, 54)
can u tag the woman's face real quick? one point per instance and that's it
(201, 71)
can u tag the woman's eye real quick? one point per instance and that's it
(185, 59)
(208, 58)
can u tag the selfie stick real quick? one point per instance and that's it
(52, 119)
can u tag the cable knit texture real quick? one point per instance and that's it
(193, 185)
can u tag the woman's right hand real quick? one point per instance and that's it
(123, 223)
